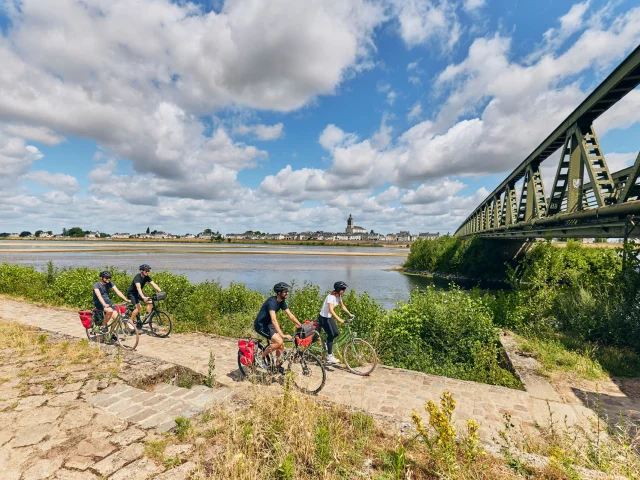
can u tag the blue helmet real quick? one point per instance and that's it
(144, 266)
(105, 274)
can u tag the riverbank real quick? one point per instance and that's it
(461, 280)
(419, 334)
(318, 243)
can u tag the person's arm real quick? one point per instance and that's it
(334, 314)
(276, 325)
(292, 317)
(119, 293)
(153, 284)
(141, 293)
(345, 308)
(99, 297)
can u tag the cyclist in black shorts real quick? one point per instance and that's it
(135, 293)
(266, 323)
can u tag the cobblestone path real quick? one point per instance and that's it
(389, 392)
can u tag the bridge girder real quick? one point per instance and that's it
(597, 208)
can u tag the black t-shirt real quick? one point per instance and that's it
(138, 279)
(271, 304)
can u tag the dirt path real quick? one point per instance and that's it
(389, 391)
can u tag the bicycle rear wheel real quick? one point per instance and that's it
(308, 372)
(359, 357)
(160, 324)
(247, 370)
(126, 337)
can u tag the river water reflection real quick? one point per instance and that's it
(257, 266)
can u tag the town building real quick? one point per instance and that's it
(428, 236)
(352, 228)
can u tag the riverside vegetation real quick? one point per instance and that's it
(576, 308)
(409, 336)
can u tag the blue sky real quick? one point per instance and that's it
(281, 115)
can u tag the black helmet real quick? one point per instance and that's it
(105, 274)
(340, 286)
(281, 286)
(144, 266)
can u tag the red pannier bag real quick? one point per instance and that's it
(305, 334)
(246, 347)
(85, 318)
(120, 309)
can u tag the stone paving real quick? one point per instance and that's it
(390, 392)
(51, 430)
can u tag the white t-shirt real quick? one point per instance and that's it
(331, 299)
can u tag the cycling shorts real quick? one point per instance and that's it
(135, 298)
(267, 331)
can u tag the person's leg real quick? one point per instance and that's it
(332, 333)
(108, 312)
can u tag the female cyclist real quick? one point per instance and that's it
(328, 316)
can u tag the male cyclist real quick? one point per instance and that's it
(267, 325)
(101, 298)
(135, 293)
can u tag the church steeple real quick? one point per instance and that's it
(349, 224)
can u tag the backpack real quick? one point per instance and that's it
(246, 348)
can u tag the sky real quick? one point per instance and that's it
(290, 115)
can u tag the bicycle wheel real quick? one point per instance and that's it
(359, 357)
(308, 372)
(318, 347)
(160, 324)
(124, 336)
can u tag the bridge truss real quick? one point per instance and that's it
(595, 205)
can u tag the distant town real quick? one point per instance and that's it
(352, 233)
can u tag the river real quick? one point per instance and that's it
(367, 269)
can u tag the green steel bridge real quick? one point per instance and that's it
(598, 204)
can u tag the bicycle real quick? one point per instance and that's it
(159, 321)
(358, 355)
(307, 370)
(117, 331)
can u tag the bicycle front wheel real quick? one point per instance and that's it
(126, 337)
(160, 324)
(359, 357)
(308, 372)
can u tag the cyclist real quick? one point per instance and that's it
(101, 298)
(327, 315)
(266, 324)
(135, 293)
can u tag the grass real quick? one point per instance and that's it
(586, 360)
(52, 356)
(288, 436)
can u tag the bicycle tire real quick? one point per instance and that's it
(306, 367)
(248, 370)
(160, 327)
(126, 337)
(359, 357)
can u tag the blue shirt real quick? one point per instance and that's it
(271, 305)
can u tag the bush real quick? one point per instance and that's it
(473, 257)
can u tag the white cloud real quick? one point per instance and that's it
(332, 136)
(424, 21)
(471, 5)
(35, 134)
(412, 66)
(59, 181)
(391, 97)
(263, 132)
(413, 80)
(433, 192)
(415, 112)
(619, 161)
(573, 21)
(16, 157)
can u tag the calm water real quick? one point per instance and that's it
(257, 266)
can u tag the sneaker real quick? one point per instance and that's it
(129, 325)
(333, 360)
(260, 363)
(104, 330)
